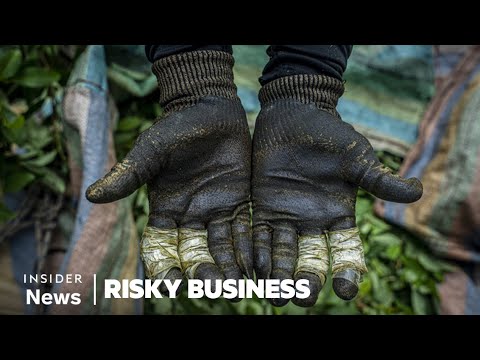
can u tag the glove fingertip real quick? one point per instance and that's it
(405, 190)
(416, 189)
(100, 193)
(345, 284)
(120, 182)
(314, 284)
(95, 193)
(395, 188)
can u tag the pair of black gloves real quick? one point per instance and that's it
(301, 173)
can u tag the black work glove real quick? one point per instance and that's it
(196, 163)
(306, 168)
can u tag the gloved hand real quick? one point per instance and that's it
(196, 163)
(306, 168)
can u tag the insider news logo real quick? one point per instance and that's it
(138, 288)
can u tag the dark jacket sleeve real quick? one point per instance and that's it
(157, 52)
(286, 60)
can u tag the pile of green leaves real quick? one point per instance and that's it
(402, 273)
(31, 146)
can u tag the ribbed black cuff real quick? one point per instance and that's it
(321, 90)
(185, 78)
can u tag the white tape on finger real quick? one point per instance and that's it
(347, 250)
(313, 256)
(158, 250)
(193, 250)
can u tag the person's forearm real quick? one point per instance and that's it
(287, 60)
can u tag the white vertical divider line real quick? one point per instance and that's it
(94, 289)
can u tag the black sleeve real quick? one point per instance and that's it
(156, 52)
(286, 60)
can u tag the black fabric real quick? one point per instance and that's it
(157, 52)
(285, 60)
(186, 77)
(323, 91)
